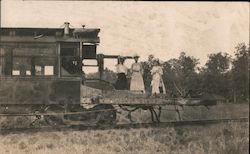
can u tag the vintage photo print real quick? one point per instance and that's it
(139, 77)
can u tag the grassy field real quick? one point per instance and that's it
(218, 138)
(226, 138)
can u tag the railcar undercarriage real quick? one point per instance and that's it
(106, 110)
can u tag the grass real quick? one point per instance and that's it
(218, 138)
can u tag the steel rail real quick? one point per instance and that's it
(200, 122)
(58, 113)
(74, 113)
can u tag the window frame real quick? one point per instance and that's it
(33, 64)
(75, 56)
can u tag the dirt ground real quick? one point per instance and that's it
(226, 138)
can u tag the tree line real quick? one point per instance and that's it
(221, 75)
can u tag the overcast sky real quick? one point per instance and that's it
(161, 28)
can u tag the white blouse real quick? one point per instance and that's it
(156, 73)
(121, 69)
(136, 67)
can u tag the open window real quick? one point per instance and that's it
(70, 59)
(89, 51)
(34, 60)
(45, 66)
(90, 62)
(21, 66)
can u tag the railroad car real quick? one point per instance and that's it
(41, 74)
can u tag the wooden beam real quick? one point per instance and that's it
(47, 39)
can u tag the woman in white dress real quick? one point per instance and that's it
(137, 83)
(157, 83)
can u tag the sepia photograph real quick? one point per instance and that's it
(126, 77)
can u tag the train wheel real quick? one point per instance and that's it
(107, 115)
(37, 120)
(55, 119)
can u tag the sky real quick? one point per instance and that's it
(163, 29)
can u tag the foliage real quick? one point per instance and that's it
(108, 75)
(215, 75)
(180, 75)
(218, 63)
(240, 72)
(222, 75)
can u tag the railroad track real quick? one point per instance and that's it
(202, 122)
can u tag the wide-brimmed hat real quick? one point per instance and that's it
(120, 57)
(156, 61)
(151, 56)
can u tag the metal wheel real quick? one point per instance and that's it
(36, 121)
(54, 120)
(107, 115)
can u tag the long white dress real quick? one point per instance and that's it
(136, 83)
(157, 81)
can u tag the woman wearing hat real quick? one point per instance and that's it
(136, 83)
(157, 81)
(122, 70)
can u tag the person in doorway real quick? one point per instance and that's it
(121, 70)
(136, 83)
(157, 83)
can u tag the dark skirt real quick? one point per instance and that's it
(121, 82)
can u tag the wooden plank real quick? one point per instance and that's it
(143, 101)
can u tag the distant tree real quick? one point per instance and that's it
(240, 73)
(215, 75)
(108, 75)
(218, 63)
(180, 75)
